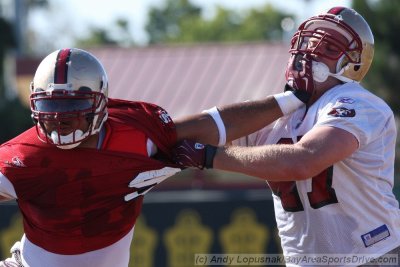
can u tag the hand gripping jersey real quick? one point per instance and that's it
(349, 208)
(72, 201)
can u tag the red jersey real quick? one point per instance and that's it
(72, 201)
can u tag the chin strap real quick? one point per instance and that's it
(342, 78)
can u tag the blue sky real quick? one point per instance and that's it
(75, 17)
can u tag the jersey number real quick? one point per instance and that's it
(321, 194)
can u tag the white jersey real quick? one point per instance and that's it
(350, 208)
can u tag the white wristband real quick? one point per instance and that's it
(214, 113)
(288, 102)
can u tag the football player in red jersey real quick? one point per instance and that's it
(80, 174)
(329, 164)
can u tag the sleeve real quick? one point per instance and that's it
(6, 188)
(160, 128)
(364, 118)
(151, 119)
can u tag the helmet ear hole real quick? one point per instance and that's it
(356, 67)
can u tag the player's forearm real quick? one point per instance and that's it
(238, 119)
(272, 162)
(317, 150)
(245, 118)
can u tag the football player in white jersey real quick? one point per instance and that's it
(330, 164)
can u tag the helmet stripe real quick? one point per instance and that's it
(336, 10)
(61, 70)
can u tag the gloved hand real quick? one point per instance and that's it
(188, 153)
(299, 76)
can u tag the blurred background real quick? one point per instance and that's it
(186, 56)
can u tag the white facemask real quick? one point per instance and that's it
(321, 73)
(65, 139)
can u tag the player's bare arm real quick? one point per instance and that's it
(318, 149)
(239, 119)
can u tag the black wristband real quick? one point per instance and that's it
(209, 156)
(302, 95)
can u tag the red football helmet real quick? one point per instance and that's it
(345, 32)
(70, 85)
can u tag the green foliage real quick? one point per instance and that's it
(14, 118)
(383, 18)
(164, 23)
(7, 41)
(118, 34)
(181, 22)
(97, 37)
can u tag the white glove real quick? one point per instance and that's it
(145, 181)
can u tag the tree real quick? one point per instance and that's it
(165, 23)
(383, 76)
(180, 21)
(7, 41)
(11, 111)
(15, 118)
(118, 34)
(97, 36)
